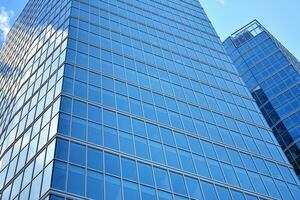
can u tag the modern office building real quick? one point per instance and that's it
(272, 75)
(130, 100)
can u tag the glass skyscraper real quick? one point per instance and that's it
(113, 99)
(272, 75)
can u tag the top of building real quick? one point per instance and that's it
(247, 32)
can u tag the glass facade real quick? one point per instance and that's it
(272, 75)
(112, 99)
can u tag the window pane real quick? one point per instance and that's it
(95, 159)
(76, 180)
(129, 170)
(148, 193)
(178, 185)
(112, 188)
(223, 193)
(161, 179)
(130, 190)
(112, 164)
(59, 175)
(193, 188)
(126, 143)
(145, 174)
(95, 185)
(208, 191)
(77, 154)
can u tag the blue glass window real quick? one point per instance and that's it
(286, 173)
(164, 195)
(95, 185)
(271, 187)
(215, 170)
(243, 178)
(235, 157)
(109, 118)
(78, 128)
(229, 174)
(62, 149)
(111, 138)
(94, 133)
(76, 180)
(181, 141)
(186, 161)
(77, 154)
(122, 103)
(131, 190)
(94, 94)
(178, 184)
(193, 188)
(94, 159)
(237, 195)
(129, 170)
(257, 183)
(248, 162)
(260, 165)
(161, 178)
(145, 174)
(66, 104)
(94, 114)
(112, 188)
(148, 193)
(208, 191)
(156, 151)
(124, 122)
(138, 127)
(141, 146)
(167, 136)
(80, 74)
(153, 132)
(112, 164)
(273, 169)
(223, 193)
(208, 149)
(59, 175)
(201, 166)
(172, 157)
(81, 90)
(108, 98)
(126, 143)
(195, 145)
(64, 124)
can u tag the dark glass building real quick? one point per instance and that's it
(112, 99)
(272, 75)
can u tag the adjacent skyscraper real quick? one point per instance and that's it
(272, 75)
(130, 100)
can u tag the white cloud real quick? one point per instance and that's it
(221, 1)
(5, 17)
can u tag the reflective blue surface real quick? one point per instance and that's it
(272, 75)
(149, 93)
(147, 106)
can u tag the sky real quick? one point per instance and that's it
(9, 12)
(280, 17)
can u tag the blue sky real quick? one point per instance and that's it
(9, 11)
(280, 17)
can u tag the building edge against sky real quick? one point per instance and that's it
(272, 75)
(130, 100)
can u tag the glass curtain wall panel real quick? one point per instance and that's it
(145, 104)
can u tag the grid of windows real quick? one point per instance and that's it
(153, 109)
(272, 75)
(134, 100)
(31, 71)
